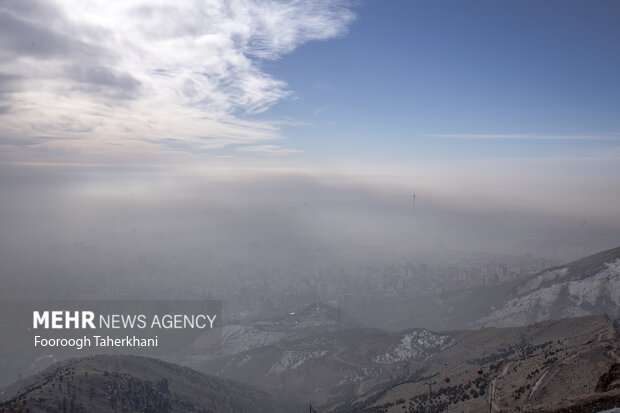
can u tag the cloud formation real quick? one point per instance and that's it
(185, 76)
(268, 149)
(526, 136)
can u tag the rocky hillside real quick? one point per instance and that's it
(133, 384)
(570, 365)
(588, 286)
(330, 367)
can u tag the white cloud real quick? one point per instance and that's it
(183, 75)
(268, 149)
(526, 136)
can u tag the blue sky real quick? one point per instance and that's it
(407, 71)
(364, 81)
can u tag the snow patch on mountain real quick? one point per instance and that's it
(538, 383)
(292, 359)
(360, 375)
(606, 282)
(238, 338)
(544, 278)
(418, 344)
(595, 294)
(244, 359)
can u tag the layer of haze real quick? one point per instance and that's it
(86, 223)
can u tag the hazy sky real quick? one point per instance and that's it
(504, 105)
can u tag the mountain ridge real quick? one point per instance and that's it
(106, 383)
(590, 285)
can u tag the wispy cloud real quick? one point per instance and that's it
(151, 72)
(268, 149)
(526, 136)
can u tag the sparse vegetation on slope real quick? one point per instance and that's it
(135, 384)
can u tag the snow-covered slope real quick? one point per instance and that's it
(237, 338)
(570, 291)
(291, 359)
(417, 344)
(234, 339)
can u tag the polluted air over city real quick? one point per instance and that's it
(328, 206)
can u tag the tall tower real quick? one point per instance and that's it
(338, 313)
